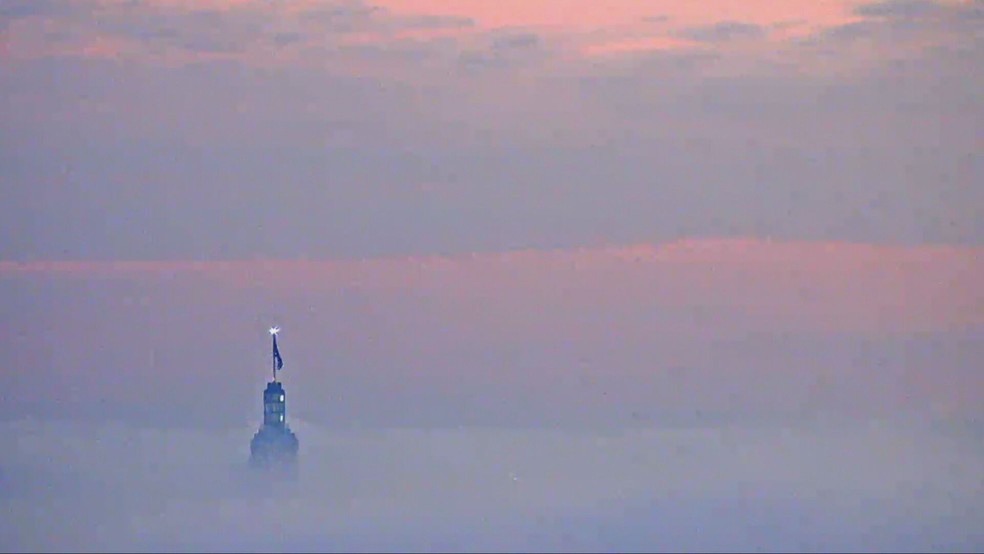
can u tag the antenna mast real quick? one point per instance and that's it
(275, 355)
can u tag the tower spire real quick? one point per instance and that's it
(277, 361)
(274, 442)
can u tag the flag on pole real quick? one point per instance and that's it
(276, 354)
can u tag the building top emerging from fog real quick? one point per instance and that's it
(274, 444)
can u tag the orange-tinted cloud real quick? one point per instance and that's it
(636, 45)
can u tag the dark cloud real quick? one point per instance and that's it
(725, 31)
(435, 22)
(516, 41)
(340, 17)
(849, 31)
(287, 38)
(338, 160)
(14, 9)
(505, 49)
(894, 20)
(400, 51)
(155, 28)
(907, 9)
(149, 27)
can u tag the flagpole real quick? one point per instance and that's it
(277, 362)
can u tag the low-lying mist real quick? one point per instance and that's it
(838, 486)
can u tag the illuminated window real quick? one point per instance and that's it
(281, 417)
(281, 398)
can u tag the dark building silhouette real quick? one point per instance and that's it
(274, 445)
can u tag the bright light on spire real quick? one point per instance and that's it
(274, 330)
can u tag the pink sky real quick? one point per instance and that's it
(764, 326)
(774, 286)
(670, 231)
(450, 187)
(579, 27)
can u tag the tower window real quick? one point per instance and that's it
(281, 398)
(281, 417)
